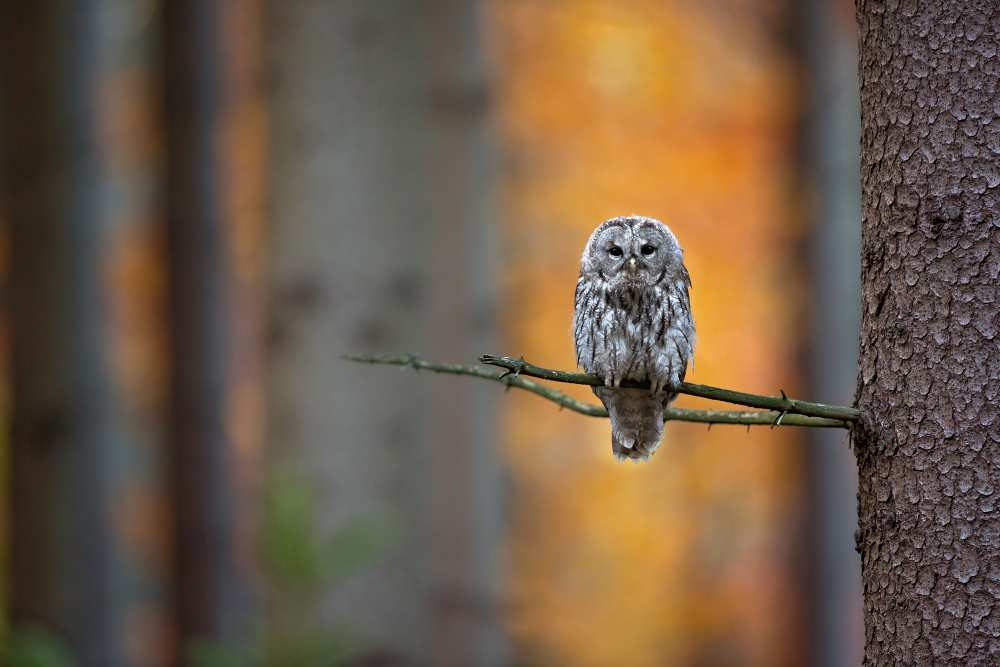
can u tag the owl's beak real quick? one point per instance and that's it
(633, 266)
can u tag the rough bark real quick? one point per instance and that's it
(929, 446)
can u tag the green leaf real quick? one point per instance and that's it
(34, 647)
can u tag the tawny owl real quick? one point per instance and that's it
(632, 320)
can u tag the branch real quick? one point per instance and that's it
(508, 379)
(515, 378)
(779, 403)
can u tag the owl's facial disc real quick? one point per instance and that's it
(632, 252)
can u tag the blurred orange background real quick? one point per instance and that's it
(416, 178)
(684, 113)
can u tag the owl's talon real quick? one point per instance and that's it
(663, 384)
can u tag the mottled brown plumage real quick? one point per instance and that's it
(632, 320)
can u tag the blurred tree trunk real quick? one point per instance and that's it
(827, 44)
(204, 98)
(929, 371)
(381, 204)
(87, 505)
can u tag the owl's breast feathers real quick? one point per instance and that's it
(635, 331)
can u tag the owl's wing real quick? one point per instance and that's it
(687, 326)
(585, 324)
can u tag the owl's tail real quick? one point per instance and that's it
(636, 421)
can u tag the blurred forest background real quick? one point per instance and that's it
(206, 203)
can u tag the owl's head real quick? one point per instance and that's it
(632, 251)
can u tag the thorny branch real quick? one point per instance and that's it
(779, 410)
(779, 403)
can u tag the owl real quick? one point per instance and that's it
(632, 321)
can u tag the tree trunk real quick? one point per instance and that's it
(928, 446)
(87, 502)
(381, 208)
(211, 592)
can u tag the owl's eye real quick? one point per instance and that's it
(648, 250)
(615, 251)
